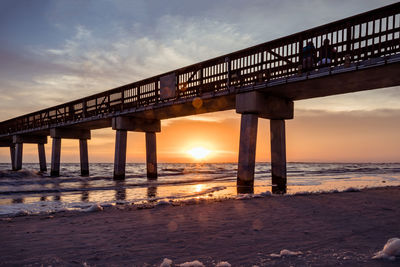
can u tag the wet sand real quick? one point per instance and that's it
(329, 229)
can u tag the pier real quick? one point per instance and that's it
(263, 81)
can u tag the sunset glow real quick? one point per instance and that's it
(199, 153)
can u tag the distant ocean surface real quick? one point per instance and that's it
(29, 192)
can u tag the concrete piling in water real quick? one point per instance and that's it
(42, 157)
(120, 154)
(18, 156)
(55, 157)
(247, 152)
(84, 157)
(151, 155)
(12, 154)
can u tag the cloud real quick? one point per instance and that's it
(365, 100)
(99, 64)
(349, 115)
(86, 63)
(173, 42)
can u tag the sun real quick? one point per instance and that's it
(198, 153)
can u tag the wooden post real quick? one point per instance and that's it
(247, 153)
(18, 156)
(83, 152)
(55, 157)
(278, 156)
(151, 155)
(42, 158)
(120, 154)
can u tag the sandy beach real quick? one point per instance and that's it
(328, 229)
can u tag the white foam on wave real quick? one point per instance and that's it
(223, 264)
(303, 193)
(168, 263)
(244, 196)
(249, 196)
(194, 263)
(21, 209)
(94, 208)
(265, 194)
(285, 252)
(390, 250)
(47, 207)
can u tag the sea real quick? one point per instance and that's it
(28, 191)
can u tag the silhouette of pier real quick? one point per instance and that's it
(262, 81)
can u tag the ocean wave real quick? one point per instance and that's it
(176, 181)
(19, 174)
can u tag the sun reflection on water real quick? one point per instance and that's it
(198, 188)
(179, 182)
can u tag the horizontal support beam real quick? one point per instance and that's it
(194, 106)
(136, 124)
(265, 106)
(30, 139)
(340, 83)
(6, 144)
(70, 133)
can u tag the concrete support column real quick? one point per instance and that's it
(19, 140)
(151, 155)
(278, 156)
(83, 152)
(120, 154)
(42, 158)
(55, 157)
(277, 110)
(18, 157)
(69, 133)
(124, 124)
(12, 154)
(247, 152)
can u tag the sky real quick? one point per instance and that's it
(55, 51)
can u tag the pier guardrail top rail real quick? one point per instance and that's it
(368, 35)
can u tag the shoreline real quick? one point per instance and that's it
(329, 229)
(194, 199)
(22, 194)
